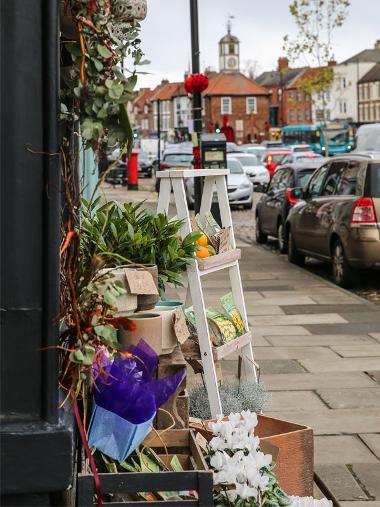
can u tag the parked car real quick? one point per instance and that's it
(177, 156)
(273, 158)
(337, 217)
(240, 188)
(273, 144)
(233, 148)
(273, 208)
(255, 149)
(368, 138)
(302, 157)
(145, 166)
(299, 147)
(254, 169)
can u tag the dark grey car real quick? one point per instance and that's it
(273, 208)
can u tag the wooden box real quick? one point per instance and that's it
(195, 477)
(295, 460)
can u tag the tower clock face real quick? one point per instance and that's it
(231, 62)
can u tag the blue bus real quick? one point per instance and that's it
(339, 137)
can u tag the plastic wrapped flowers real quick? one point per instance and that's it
(243, 474)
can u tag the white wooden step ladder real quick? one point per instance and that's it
(214, 181)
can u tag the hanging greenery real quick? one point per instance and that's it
(97, 90)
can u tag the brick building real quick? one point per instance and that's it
(142, 116)
(288, 104)
(369, 96)
(231, 99)
(237, 101)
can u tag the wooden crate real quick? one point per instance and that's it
(178, 404)
(196, 477)
(295, 460)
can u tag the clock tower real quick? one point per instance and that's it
(229, 52)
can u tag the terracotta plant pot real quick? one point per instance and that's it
(295, 461)
(144, 301)
(148, 328)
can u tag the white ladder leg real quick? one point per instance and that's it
(181, 204)
(164, 196)
(204, 341)
(208, 192)
(234, 272)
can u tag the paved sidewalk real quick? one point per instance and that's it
(318, 348)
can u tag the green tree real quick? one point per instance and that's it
(316, 21)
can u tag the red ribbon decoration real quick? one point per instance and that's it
(88, 453)
(196, 83)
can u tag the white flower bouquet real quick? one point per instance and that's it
(243, 474)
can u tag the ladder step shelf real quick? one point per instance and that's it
(219, 260)
(231, 347)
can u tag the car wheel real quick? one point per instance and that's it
(343, 273)
(248, 206)
(293, 254)
(261, 238)
(281, 238)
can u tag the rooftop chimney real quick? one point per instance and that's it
(331, 63)
(283, 63)
(377, 44)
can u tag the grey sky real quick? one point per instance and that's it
(260, 25)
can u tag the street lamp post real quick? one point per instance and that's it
(197, 100)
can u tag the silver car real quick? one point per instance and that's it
(240, 188)
(254, 169)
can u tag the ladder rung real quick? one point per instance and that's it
(231, 347)
(214, 269)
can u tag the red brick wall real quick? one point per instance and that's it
(297, 102)
(253, 124)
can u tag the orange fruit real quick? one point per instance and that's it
(203, 240)
(202, 252)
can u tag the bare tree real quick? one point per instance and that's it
(316, 21)
(251, 68)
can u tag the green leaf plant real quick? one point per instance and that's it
(96, 89)
(115, 234)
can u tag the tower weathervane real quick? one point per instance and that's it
(229, 23)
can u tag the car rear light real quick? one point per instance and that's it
(291, 200)
(364, 211)
(164, 166)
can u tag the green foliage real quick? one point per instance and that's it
(96, 86)
(115, 234)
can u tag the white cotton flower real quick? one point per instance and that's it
(263, 460)
(232, 495)
(234, 419)
(217, 461)
(252, 444)
(217, 444)
(227, 430)
(220, 478)
(215, 427)
(263, 482)
(250, 420)
(245, 492)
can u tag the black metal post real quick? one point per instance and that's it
(159, 134)
(197, 98)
